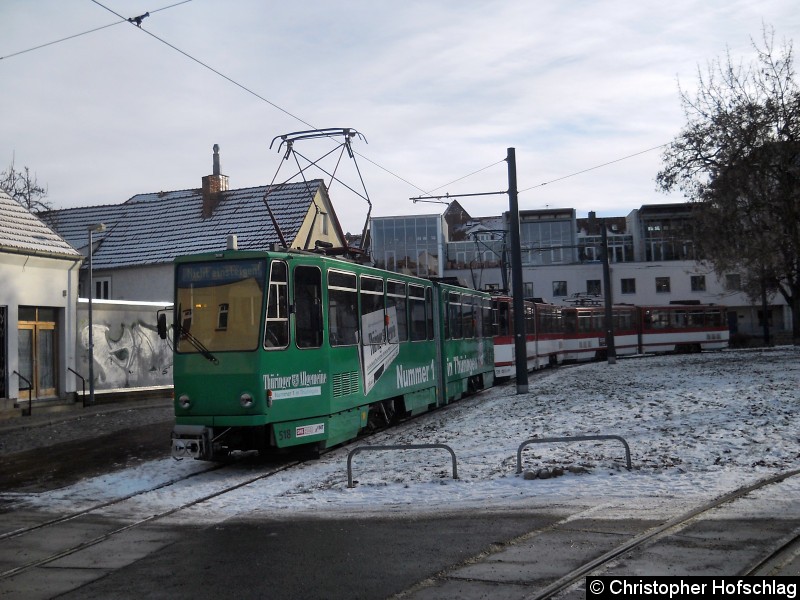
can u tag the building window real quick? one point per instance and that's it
(733, 282)
(102, 288)
(662, 285)
(323, 223)
(527, 289)
(698, 283)
(628, 286)
(414, 242)
(593, 287)
(559, 288)
(222, 316)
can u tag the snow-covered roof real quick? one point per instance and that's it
(23, 232)
(154, 228)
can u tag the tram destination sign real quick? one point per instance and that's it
(219, 273)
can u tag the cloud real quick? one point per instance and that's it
(438, 89)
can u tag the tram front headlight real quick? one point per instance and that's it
(184, 401)
(246, 400)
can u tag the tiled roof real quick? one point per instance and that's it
(23, 232)
(155, 228)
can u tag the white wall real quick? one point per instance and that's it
(43, 282)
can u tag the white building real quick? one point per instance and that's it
(652, 260)
(38, 298)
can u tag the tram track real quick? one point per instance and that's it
(106, 504)
(784, 552)
(669, 528)
(138, 522)
(96, 509)
(480, 570)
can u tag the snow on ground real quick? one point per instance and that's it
(697, 425)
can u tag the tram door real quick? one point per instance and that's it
(37, 350)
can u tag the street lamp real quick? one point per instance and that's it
(97, 228)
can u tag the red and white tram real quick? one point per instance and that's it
(556, 334)
(543, 335)
(585, 333)
(683, 328)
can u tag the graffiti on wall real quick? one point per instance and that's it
(127, 352)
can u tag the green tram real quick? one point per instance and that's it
(280, 349)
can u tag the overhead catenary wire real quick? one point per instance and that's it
(252, 93)
(209, 67)
(301, 120)
(435, 198)
(77, 35)
(600, 166)
(494, 164)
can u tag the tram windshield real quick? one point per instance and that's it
(219, 305)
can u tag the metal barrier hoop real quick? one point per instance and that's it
(355, 451)
(574, 438)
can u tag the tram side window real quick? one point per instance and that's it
(416, 301)
(487, 318)
(454, 329)
(659, 319)
(308, 307)
(570, 319)
(396, 299)
(277, 331)
(429, 312)
(530, 322)
(342, 308)
(544, 319)
(590, 322)
(697, 318)
(468, 315)
(679, 319)
(373, 322)
(715, 317)
(504, 319)
(623, 320)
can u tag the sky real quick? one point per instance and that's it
(698, 427)
(439, 90)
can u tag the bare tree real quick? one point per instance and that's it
(738, 158)
(23, 186)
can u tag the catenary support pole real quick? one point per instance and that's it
(611, 349)
(520, 351)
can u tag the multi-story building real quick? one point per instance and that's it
(651, 256)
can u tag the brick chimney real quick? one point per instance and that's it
(213, 186)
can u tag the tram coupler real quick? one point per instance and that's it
(190, 441)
